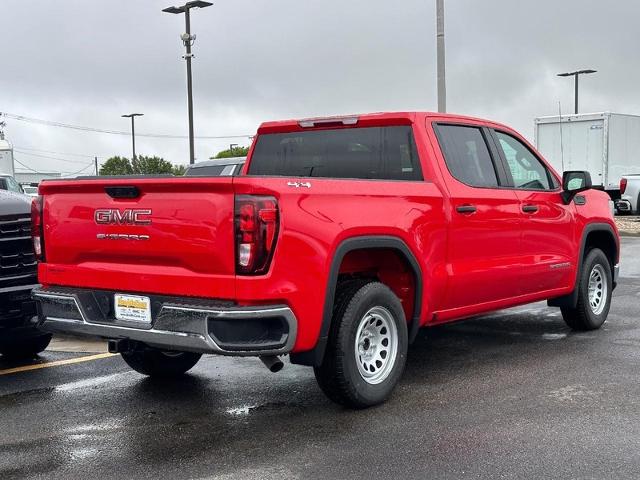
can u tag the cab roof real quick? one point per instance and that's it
(368, 119)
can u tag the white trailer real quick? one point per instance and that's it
(606, 144)
(6, 157)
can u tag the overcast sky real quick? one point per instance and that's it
(88, 62)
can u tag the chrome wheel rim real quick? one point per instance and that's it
(597, 289)
(376, 345)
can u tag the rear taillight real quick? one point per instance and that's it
(623, 185)
(256, 230)
(37, 230)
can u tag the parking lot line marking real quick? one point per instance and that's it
(57, 363)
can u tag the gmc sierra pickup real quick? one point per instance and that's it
(340, 239)
(18, 275)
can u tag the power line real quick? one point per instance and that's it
(48, 157)
(23, 165)
(50, 123)
(56, 153)
(27, 167)
(79, 171)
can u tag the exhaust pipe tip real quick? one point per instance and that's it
(272, 362)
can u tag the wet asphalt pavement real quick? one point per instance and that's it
(509, 395)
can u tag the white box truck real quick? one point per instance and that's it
(6, 157)
(606, 144)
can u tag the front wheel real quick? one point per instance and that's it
(594, 286)
(367, 346)
(160, 363)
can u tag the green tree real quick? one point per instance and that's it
(143, 165)
(116, 166)
(178, 170)
(232, 152)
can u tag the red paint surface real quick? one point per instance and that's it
(494, 258)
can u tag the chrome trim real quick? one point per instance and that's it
(168, 328)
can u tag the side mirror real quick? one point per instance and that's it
(574, 182)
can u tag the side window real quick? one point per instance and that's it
(467, 155)
(227, 171)
(527, 171)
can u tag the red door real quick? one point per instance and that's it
(484, 244)
(548, 244)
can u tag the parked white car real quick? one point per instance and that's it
(30, 190)
(629, 202)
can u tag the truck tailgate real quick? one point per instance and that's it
(175, 236)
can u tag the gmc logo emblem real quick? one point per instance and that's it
(129, 216)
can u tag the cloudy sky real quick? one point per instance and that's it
(87, 62)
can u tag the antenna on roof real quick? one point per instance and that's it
(561, 145)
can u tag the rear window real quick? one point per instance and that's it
(383, 153)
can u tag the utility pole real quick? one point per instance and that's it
(442, 84)
(132, 116)
(188, 41)
(96, 162)
(576, 74)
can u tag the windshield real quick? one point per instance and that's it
(9, 183)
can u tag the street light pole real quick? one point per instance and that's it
(188, 40)
(442, 85)
(188, 55)
(132, 116)
(576, 74)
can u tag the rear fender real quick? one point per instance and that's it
(315, 356)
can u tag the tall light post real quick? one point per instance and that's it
(132, 116)
(442, 85)
(188, 41)
(576, 74)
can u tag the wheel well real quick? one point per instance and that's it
(386, 265)
(384, 258)
(604, 241)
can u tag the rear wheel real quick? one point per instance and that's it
(160, 363)
(367, 346)
(26, 347)
(594, 293)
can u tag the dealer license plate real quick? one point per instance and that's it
(132, 308)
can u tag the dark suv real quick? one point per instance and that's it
(18, 276)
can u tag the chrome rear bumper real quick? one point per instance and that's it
(180, 324)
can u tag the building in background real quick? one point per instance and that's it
(33, 177)
(6, 156)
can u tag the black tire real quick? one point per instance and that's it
(161, 364)
(339, 376)
(583, 317)
(25, 348)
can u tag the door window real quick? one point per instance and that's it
(527, 170)
(467, 155)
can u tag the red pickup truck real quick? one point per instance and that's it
(342, 237)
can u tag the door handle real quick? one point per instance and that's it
(529, 208)
(466, 209)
